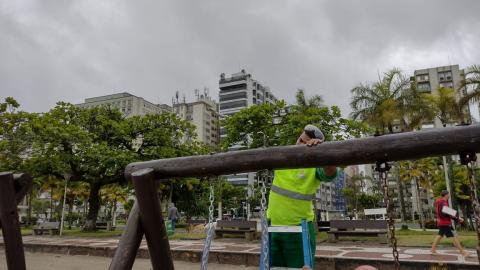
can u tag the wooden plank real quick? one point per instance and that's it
(402, 146)
(129, 242)
(152, 220)
(10, 225)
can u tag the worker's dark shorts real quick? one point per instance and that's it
(445, 231)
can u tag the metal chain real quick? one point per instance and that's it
(383, 175)
(475, 203)
(210, 231)
(264, 223)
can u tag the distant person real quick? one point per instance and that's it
(173, 215)
(444, 224)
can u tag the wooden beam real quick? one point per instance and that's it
(10, 224)
(130, 241)
(152, 220)
(401, 146)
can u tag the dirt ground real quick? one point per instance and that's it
(47, 261)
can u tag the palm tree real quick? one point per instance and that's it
(420, 174)
(471, 84)
(307, 102)
(386, 101)
(113, 194)
(380, 104)
(415, 109)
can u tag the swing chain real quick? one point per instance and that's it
(383, 168)
(263, 206)
(468, 159)
(210, 230)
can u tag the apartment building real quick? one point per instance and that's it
(130, 105)
(237, 92)
(203, 113)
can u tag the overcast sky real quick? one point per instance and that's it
(71, 50)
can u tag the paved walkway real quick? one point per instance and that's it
(42, 261)
(324, 250)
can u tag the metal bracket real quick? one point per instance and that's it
(467, 157)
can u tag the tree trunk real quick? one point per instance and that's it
(114, 212)
(94, 206)
(453, 197)
(29, 211)
(51, 203)
(70, 209)
(419, 204)
(401, 200)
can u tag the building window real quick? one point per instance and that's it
(422, 78)
(234, 104)
(445, 76)
(446, 84)
(233, 96)
(424, 87)
(233, 88)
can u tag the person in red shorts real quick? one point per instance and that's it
(444, 224)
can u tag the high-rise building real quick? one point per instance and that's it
(127, 103)
(203, 113)
(237, 92)
(429, 80)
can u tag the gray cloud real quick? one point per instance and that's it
(70, 50)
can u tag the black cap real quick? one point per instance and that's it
(444, 192)
(314, 132)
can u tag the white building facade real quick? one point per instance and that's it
(130, 105)
(203, 113)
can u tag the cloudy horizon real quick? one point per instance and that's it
(72, 50)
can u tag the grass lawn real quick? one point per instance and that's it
(408, 238)
(78, 233)
(411, 238)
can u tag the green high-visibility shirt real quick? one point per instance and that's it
(285, 210)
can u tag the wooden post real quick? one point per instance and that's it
(9, 223)
(129, 242)
(152, 220)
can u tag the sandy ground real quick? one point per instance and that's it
(47, 261)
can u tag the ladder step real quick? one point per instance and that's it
(285, 229)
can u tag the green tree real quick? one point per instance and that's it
(392, 100)
(253, 126)
(471, 84)
(278, 124)
(94, 145)
(380, 104)
(15, 135)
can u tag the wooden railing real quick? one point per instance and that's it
(146, 218)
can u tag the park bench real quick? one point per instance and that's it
(323, 226)
(51, 227)
(104, 225)
(358, 228)
(244, 227)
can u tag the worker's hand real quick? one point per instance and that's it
(460, 220)
(313, 142)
